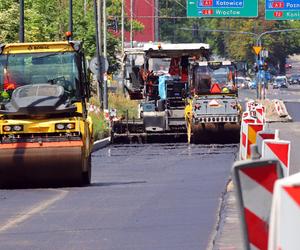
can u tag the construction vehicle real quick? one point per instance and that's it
(163, 83)
(45, 130)
(213, 110)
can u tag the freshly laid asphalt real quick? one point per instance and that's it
(154, 196)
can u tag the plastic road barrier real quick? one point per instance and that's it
(250, 105)
(260, 114)
(266, 134)
(285, 215)
(252, 131)
(280, 150)
(280, 109)
(244, 135)
(254, 181)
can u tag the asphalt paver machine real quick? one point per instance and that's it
(163, 81)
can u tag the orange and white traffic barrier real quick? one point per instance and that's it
(246, 119)
(280, 150)
(285, 215)
(252, 131)
(260, 114)
(266, 134)
(250, 105)
(255, 115)
(254, 181)
(256, 110)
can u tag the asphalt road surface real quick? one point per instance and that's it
(154, 196)
(290, 94)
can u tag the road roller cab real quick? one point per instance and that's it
(45, 131)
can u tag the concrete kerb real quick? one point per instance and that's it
(229, 230)
(101, 144)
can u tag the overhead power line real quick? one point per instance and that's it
(162, 17)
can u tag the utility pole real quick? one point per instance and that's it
(71, 18)
(98, 49)
(105, 93)
(21, 32)
(122, 47)
(131, 23)
(156, 22)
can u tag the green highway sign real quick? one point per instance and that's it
(222, 8)
(282, 10)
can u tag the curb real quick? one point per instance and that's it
(101, 144)
(228, 235)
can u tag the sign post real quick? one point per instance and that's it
(222, 8)
(282, 10)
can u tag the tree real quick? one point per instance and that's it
(230, 45)
(48, 21)
(8, 22)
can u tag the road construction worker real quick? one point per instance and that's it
(225, 90)
(174, 67)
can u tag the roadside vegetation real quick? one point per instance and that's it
(116, 101)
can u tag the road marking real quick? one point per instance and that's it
(32, 211)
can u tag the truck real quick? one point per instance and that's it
(214, 111)
(163, 82)
(45, 130)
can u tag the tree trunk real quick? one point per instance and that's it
(282, 63)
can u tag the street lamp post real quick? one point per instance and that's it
(105, 92)
(21, 32)
(98, 51)
(131, 23)
(71, 18)
(122, 46)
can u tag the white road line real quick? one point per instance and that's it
(32, 211)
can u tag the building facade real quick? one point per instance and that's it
(144, 12)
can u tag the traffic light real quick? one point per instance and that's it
(265, 66)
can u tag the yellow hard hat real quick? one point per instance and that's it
(5, 95)
(225, 90)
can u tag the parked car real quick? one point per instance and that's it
(251, 83)
(294, 79)
(241, 82)
(280, 82)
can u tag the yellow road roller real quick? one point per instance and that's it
(45, 130)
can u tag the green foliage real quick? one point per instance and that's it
(8, 22)
(230, 45)
(117, 101)
(48, 21)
